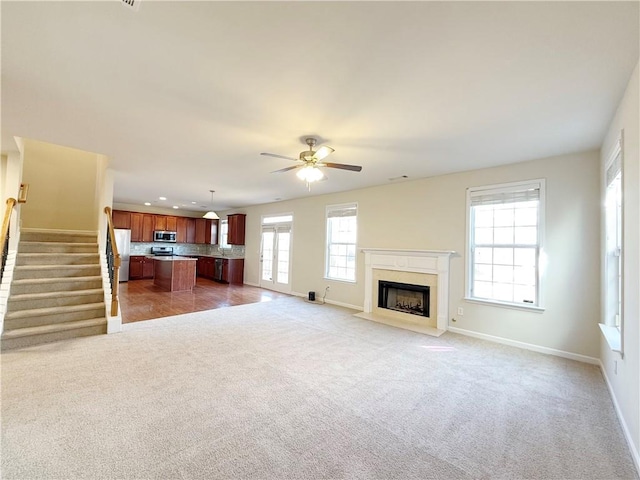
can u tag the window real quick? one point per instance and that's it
(613, 249)
(224, 234)
(341, 242)
(505, 243)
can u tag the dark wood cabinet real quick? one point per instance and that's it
(140, 266)
(206, 231)
(135, 267)
(206, 267)
(160, 222)
(233, 270)
(236, 232)
(191, 230)
(136, 226)
(181, 229)
(188, 230)
(121, 219)
(148, 224)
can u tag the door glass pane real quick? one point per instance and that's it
(283, 257)
(267, 255)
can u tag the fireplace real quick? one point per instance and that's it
(428, 270)
(404, 297)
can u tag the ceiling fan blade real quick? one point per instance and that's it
(287, 169)
(342, 166)
(279, 156)
(323, 152)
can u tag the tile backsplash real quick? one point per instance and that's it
(143, 248)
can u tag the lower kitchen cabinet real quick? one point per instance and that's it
(225, 270)
(140, 267)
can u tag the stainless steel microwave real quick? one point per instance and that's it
(164, 236)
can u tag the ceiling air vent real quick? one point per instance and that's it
(132, 4)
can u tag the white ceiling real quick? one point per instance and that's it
(183, 96)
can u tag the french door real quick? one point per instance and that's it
(275, 258)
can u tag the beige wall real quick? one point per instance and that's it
(623, 373)
(63, 190)
(431, 214)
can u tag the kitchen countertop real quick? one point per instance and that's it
(169, 258)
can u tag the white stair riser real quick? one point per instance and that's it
(64, 316)
(57, 259)
(56, 301)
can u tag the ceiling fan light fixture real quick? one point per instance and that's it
(310, 174)
(211, 215)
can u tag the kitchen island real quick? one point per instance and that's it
(174, 274)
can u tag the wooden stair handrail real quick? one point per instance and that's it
(4, 234)
(117, 262)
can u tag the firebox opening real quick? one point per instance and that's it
(404, 297)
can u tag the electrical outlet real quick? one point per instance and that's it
(461, 311)
(453, 320)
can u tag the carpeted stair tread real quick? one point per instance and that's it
(56, 327)
(32, 281)
(39, 312)
(65, 293)
(54, 267)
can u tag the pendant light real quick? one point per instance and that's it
(211, 215)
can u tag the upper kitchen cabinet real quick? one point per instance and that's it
(181, 230)
(136, 226)
(206, 231)
(148, 223)
(172, 224)
(160, 223)
(236, 226)
(121, 219)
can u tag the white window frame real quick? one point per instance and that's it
(224, 235)
(540, 261)
(613, 294)
(335, 208)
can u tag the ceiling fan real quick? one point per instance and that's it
(311, 160)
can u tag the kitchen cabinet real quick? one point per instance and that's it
(191, 230)
(236, 224)
(206, 231)
(205, 267)
(148, 223)
(233, 270)
(172, 224)
(140, 266)
(181, 229)
(136, 226)
(160, 222)
(121, 219)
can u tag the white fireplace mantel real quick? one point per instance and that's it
(420, 261)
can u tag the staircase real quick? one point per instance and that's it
(56, 292)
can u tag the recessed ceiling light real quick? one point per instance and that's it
(176, 206)
(147, 204)
(162, 198)
(193, 203)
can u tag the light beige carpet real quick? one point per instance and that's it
(288, 389)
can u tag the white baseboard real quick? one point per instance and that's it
(251, 284)
(527, 346)
(331, 302)
(627, 435)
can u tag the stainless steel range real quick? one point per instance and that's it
(162, 251)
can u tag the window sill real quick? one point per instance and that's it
(513, 306)
(340, 280)
(612, 336)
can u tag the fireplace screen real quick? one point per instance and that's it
(404, 297)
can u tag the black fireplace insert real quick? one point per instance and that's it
(404, 297)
